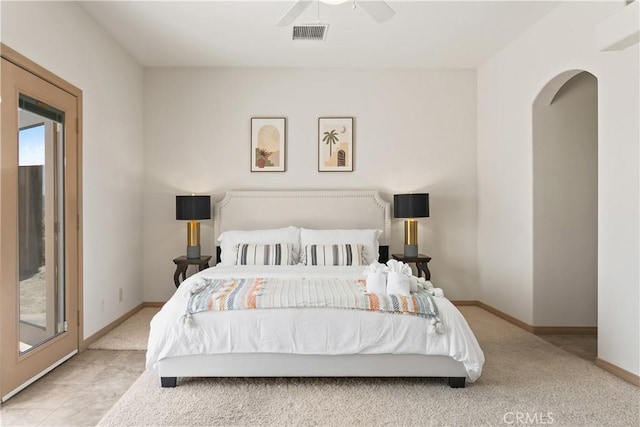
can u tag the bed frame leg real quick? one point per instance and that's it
(168, 381)
(456, 382)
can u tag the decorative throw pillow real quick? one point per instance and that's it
(368, 239)
(342, 254)
(230, 239)
(258, 254)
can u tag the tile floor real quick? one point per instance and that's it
(82, 390)
(77, 393)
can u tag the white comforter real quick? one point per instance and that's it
(306, 330)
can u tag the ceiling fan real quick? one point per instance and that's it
(379, 10)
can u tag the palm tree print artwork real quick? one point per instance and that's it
(330, 138)
(267, 144)
(335, 144)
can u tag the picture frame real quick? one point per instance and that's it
(268, 144)
(335, 144)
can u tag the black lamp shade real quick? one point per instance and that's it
(414, 205)
(193, 207)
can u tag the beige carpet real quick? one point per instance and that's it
(132, 334)
(526, 381)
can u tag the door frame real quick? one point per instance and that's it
(28, 65)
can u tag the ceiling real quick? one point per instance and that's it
(422, 34)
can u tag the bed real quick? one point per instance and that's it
(311, 341)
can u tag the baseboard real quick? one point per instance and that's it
(565, 330)
(618, 371)
(464, 303)
(102, 332)
(154, 304)
(505, 316)
(538, 330)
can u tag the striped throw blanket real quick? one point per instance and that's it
(261, 293)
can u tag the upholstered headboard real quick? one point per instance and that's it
(254, 210)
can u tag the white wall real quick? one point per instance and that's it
(507, 85)
(414, 131)
(61, 37)
(565, 205)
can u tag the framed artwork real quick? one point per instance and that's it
(335, 144)
(268, 144)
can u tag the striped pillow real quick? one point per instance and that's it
(342, 254)
(257, 254)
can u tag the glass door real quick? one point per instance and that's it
(38, 226)
(40, 222)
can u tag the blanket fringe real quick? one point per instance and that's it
(435, 325)
(186, 319)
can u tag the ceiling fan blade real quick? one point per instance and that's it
(294, 11)
(378, 9)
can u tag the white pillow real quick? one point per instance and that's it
(258, 254)
(337, 254)
(367, 238)
(229, 240)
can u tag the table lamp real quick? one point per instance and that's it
(193, 208)
(411, 206)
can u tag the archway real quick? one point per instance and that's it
(565, 202)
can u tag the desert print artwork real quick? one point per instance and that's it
(335, 144)
(268, 144)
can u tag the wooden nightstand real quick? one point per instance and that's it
(182, 263)
(421, 262)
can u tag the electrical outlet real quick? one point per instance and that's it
(102, 304)
(120, 295)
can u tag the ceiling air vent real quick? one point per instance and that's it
(310, 31)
